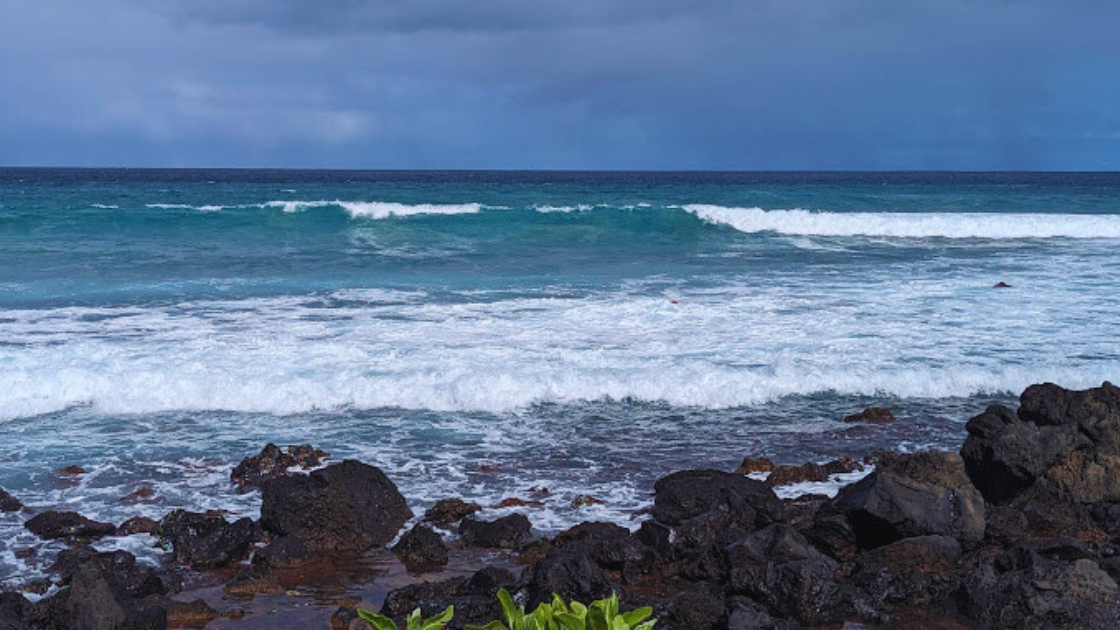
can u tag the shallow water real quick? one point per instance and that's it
(484, 334)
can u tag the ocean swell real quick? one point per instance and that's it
(910, 225)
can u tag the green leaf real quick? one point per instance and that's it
(647, 625)
(379, 622)
(493, 625)
(558, 605)
(596, 618)
(508, 608)
(440, 620)
(579, 610)
(568, 621)
(635, 617)
(612, 606)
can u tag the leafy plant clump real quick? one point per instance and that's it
(601, 615)
(413, 622)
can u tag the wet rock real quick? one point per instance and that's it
(138, 496)
(754, 464)
(450, 511)
(831, 532)
(698, 607)
(8, 503)
(610, 546)
(13, 609)
(138, 525)
(71, 471)
(273, 462)
(282, 551)
(786, 475)
(655, 536)
(421, 550)
(572, 575)
(1022, 589)
(69, 526)
(508, 532)
(517, 502)
(195, 614)
(1001, 285)
(585, 500)
(475, 598)
(203, 541)
(347, 507)
(919, 573)
(346, 618)
(106, 591)
(871, 415)
(1062, 445)
(915, 495)
(779, 568)
(711, 506)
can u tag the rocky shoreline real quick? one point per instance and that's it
(1020, 528)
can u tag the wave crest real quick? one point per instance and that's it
(910, 225)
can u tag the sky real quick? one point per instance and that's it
(562, 84)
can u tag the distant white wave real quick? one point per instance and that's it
(185, 206)
(104, 206)
(583, 207)
(910, 225)
(378, 209)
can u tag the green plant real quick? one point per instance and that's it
(412, 622)
(601, 615)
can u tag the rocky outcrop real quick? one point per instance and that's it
(273, 462)
(508, 532)
(69, 526)
(474, 598)
(421, 550)
(347, 507)
(1061, 445)
(104, 591)
(919, 494)
(204, 541)
(871, 415)
(8, 503)
(447, 512)
(713, 507)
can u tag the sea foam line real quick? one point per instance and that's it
(910, 225)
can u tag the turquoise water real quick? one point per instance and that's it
(584, 332)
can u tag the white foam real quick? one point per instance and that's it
(104, 206)
(545, 208)
(907, 337)
(910, 225)
(185, 206)
(378, 209)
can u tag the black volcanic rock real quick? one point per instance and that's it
(421, 550)
(712, 506)
(69, 526)
(105, 591)
(917, 494)
(205, 541)
(273, 462)
(508, 532)
(348, 507)
(1062, 445)
(475, 598)
(8, 503)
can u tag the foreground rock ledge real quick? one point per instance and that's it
(1021, 529)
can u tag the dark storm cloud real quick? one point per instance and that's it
(835, 84)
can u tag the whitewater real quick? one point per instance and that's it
(583, 331)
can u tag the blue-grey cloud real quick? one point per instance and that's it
(954, 84)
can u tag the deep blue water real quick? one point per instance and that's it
(584, 331)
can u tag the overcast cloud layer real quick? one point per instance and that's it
(583, 84)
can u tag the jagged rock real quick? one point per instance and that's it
(203, 541)
(348, 507)
(14, 608)
(610, 546)
(69, 526)
(475, 598)
(779, 568)
(138, 495)
(810, 471)
(572, 575)
(1062, 445)
(508, 532)
(450, 511)
(711, 506)
(915, 574)
(8, 503)
(754, 464)
(421, 550)
(272, 462)
(138, 525)
(700, 606)
(281, 552)
(746, 614)
(1022, 589)
(871, 415)
(918, 494)
(106, 591)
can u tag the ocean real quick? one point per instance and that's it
(486, 335)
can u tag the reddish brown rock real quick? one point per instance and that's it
(450, 511)
(273, 462)
(138, 525)
(72, 471)
(585, 500)
(517, 502)
(755, 464)
(871, 415)
(137, 496)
